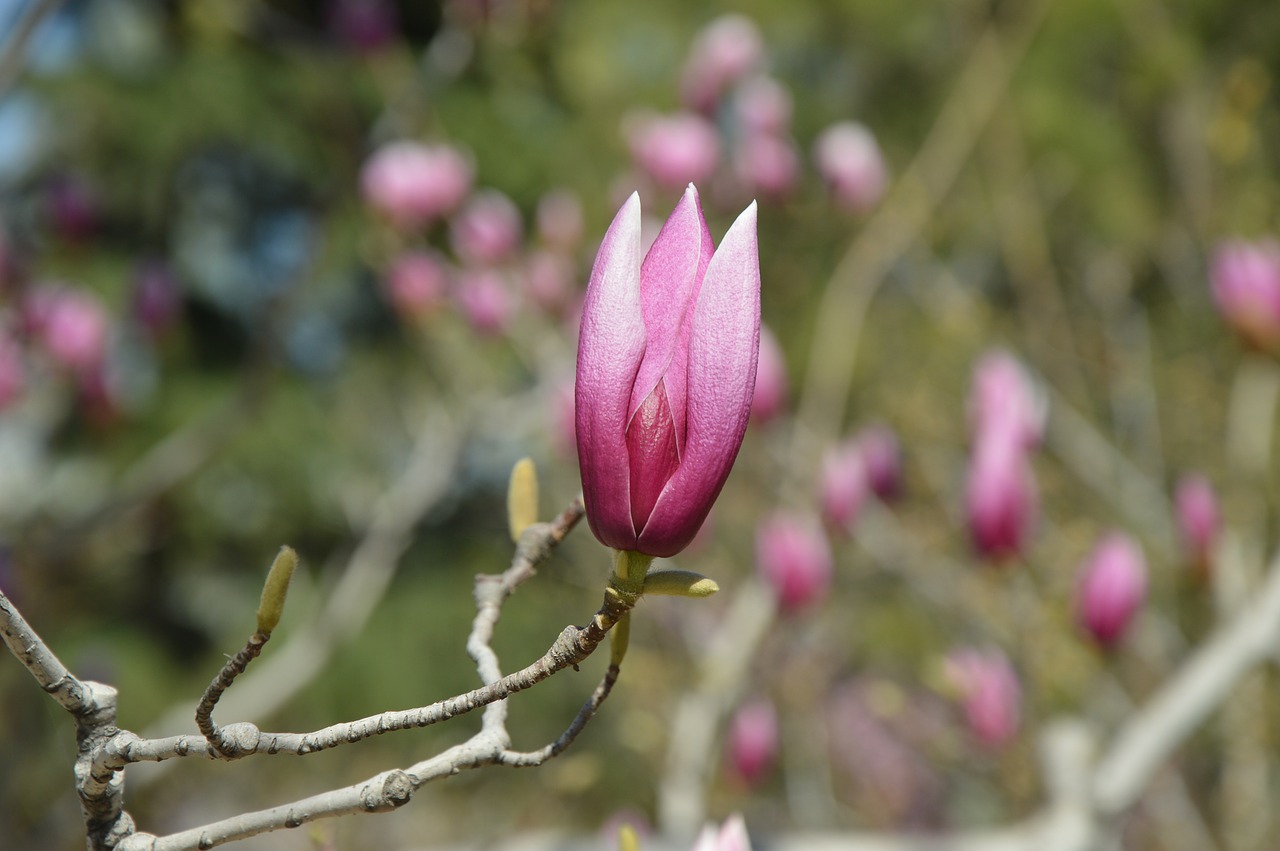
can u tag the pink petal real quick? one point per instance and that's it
(610, 348)
(724, 344)
(669, 279)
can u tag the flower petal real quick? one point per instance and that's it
(611, 344)
(724, 345)
(670, 276)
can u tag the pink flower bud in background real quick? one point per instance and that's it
(157, 299)
(487, 230)
(1113, 586)
(732, 836)
(674, 150)
(549, 279)
(794, 559)
(363, 25)
(1005, 399)
(666, 365)
(1001, 501)
(12, 371)
(849, 160)
(561, 419)
(723, 52)
(1245, 280)
(769, 397)
(752, 745)
(843, 486)
(763, 105)
(1199, 519)
(485, 300)
(882, 458)
(767, 164)
(70, 325)
(73, 207)
(416, 284)
(413, 184)
(559, 218)
(989, 692)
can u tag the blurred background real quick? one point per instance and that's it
(309, 273)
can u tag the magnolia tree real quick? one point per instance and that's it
(967, 574)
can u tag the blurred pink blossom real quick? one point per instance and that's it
(485, 300)
(843, 486)
(71, 325)
(752, 745)
(724, 51)
(732, 836)
(674, 150)
(770, 396)
(1005, 399)
(562, 420)
(363, 25)
(882, 458)
(416, 284)
(1199, 518)
(73, 207)
(559, 218)
(413, 184)
(1113, 586)
(487, 230)
(157, 298)
(767, 164)
(549, 279)
(849, 159)
(1001, 500)
(989, 692)
(1245, 280)
(763, 105)
(794, 559)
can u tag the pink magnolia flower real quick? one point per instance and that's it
(487, 230)
(767, 163)
(1005, 399)
(413, 184)
(989, 692)
(666, 366)
(1245, 280)
(732, 836)
(725, 51)
(71, 325)
(559, 218)
(1199, 518)
(843, 485)
(769, 397)
(675, 149)
(752, 746)
(794, 559)
(1001, 501)
(1113, 586)
(849, 159)
(882, 458)
(763, 105)
(485, 300)
(416, 284)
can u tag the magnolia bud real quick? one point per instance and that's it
(770, 394)
(1113, 586)
(752, 745)
(989, 692)
(794, 559)
(848, 158)
(1199, 519)
(843, 485)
